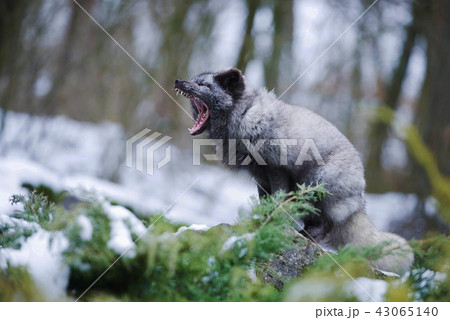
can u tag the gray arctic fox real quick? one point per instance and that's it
(254, 124)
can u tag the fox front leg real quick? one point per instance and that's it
(271, 181)
(278, 179)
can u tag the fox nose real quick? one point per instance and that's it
(177, 82)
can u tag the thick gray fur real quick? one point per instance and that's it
(239, 112)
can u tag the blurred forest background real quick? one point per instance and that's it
(389, 71)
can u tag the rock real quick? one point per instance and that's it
(291, 263)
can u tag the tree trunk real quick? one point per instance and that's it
(246, 53)
(283, 20)
(433, 116)
(51, 101)
(377, 178)
(12, 13)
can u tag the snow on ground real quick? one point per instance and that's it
(196, 227)
(199, 204)
(366, 289)
(311, 290)
(63, 145)
(120, 218)
(229, 243)
(16, 171)
(86, 228)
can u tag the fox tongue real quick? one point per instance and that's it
(203, 115)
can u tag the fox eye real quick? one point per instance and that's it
(205, 85)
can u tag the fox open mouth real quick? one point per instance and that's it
(203, 112)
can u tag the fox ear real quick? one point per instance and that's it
(231, 80)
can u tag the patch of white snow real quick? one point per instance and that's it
(86, 227)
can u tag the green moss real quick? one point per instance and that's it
(439, 183)
(384, 114)
(16, 284)
(430, 280)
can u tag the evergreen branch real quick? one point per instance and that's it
(278, 207)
